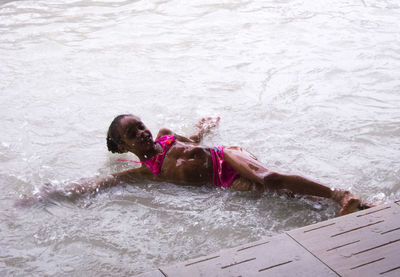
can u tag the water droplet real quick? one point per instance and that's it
(317, 206)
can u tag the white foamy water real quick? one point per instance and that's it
(309, 87)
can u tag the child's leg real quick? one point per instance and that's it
(249, 167)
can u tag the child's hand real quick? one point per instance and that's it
(26, 201)
(205, 124)
(46, 194)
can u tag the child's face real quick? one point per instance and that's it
(135, 135)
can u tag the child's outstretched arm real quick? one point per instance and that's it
(73, 190)
(203, 127)
(96, 184)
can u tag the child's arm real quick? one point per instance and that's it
(97, 184)
(203, 127)
(73, 190)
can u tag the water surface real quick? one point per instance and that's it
(311, 88)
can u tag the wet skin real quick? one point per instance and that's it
(188, 163)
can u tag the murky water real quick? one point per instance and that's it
(310, 87)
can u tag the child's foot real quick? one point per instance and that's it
(349, 202)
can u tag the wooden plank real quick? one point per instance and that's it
(155, 273)
(367, 242)
(277, 256)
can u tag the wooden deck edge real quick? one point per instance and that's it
(315, 256)
(309, 228)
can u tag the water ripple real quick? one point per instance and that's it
(308, 87)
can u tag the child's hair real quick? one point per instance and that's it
(113, 136)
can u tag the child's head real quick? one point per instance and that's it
(113, 135)
(127, 133)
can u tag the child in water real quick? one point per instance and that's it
(181, 160)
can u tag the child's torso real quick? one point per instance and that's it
(187, 163)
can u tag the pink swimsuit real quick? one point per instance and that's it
(223, 173)
(155, 163)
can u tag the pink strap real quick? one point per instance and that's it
(155, 163)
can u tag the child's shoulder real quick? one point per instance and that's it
(165, 132)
